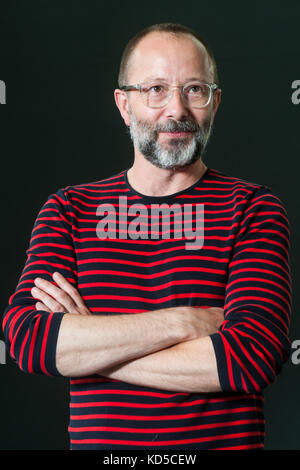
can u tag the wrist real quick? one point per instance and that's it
(185, 323)
(201, 322)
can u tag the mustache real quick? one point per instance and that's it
(177, 126)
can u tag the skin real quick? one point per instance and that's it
(169, 349)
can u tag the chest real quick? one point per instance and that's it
(139, 260)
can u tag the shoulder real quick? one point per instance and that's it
(116, 179)
(93, 189)
(223, 179)
(248, 195)
(252, 190)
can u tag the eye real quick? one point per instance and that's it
(155, 89)
(197, 89)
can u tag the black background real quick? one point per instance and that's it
(60, 126)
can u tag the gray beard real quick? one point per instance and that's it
(180, 152)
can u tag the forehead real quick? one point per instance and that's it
(173, 57)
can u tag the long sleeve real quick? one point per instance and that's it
(252, 343)
(31, 335)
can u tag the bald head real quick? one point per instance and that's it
(157, 37)
(168, 56)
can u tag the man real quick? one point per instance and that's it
(168, 334)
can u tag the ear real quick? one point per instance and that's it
(121, 100)
(216, 100)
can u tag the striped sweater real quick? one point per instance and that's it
(241, 264)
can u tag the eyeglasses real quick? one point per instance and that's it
(157, 95)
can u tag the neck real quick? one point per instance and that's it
(150, 180)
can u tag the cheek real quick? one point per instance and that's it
(141, 113)
(203, 116)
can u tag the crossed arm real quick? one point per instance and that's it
(175, 349)
(169, 349)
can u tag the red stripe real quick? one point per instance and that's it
(100, 191)
(56, 255)
(182, 238)
(127, 392)
(150, 275)
(162, 443)
(227, 411)
(31, 280)
(32, 344)
(22, 351)
(152, 288)
(229, 364)
(149, 264)
(154, 301)
(242, 447)
(44, 344)
(91, 380)
(230, 191)
(236, 199)
(59, 245)
(225, 424)
(244, 383)
(132, 252)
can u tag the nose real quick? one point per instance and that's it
(176, 108)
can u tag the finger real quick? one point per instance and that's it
(67, 287)
(58, 294)
(41, 306)
(47, 300)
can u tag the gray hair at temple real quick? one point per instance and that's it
(171, 28)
